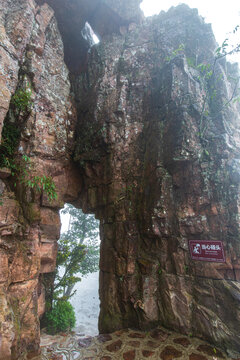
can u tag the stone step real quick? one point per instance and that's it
(129, 344)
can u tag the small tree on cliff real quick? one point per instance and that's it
(78, 251)
(78, 254)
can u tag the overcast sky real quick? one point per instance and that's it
(223, 15)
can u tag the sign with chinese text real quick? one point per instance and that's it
(207, 250)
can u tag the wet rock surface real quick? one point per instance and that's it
(123, 134)
(31, 52)
(160, 182)
(118, 347)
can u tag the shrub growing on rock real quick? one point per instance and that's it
(60, 318)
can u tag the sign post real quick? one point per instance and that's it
(204, 250)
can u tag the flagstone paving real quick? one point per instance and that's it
(129, 345)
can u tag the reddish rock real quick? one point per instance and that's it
(28, 38)
(135, 344)
(147, 353)
(24, 301)
(136, 335)
(152, 344)
(8, 333)
(41, 300)
(4, 266)
(209, 350)
(56, 357)
(9, 213)
(129, 355)
(195, 356)
(102, 338)
(50, 223)
(48, 254)
(120, 332)
(145, 161)
(159, 335)
(170, 353)
(106, 358)
(115, 346)
(182, 341)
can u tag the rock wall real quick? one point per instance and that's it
(134, 139)
(31, 50)
(158, 174)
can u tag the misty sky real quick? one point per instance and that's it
(223, 15)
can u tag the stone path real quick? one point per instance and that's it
(129, 345)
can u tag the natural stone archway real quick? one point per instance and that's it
(105, 17)
(158, 183)
(122, 140)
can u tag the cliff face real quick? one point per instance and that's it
(135, 139)
(165, 175)
(31, 52)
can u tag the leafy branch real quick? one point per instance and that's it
(175, 53)
(39, 183)
(210, 81)
(78, 254)
(22, 99)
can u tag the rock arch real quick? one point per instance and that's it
(119, 134)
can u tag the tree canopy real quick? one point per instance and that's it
(78, 253)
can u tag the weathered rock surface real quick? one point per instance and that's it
(104, 16)
(154, 159)
(161, 182)
(31, 48)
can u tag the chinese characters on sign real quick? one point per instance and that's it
(207, 250)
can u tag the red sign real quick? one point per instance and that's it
(207, 250)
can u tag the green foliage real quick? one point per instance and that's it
(10, 139)
(22, 99)
(78, 252)
(42, 184)
(39, 183)
(61, 317)
(236, 99)
(22, 168)
(70, 256)
(175, 53)
(191, 62)
(209, 79)
(11, 132)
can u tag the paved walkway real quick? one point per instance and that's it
(158, 344)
